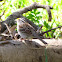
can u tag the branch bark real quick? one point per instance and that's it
(34, 51)
(10, 20)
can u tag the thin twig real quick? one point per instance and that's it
(39, 29)
(2, 15)
(49, 13)
(9, 30)
(3, 34)
(50, 30)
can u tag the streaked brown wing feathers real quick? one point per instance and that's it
(25, 28)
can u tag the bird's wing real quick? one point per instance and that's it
(35, 34)
(25, 28)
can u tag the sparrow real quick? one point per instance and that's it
(26, 31)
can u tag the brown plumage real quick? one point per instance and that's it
(26, 31)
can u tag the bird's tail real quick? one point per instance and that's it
(37, 36)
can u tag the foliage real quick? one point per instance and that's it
(38, 16)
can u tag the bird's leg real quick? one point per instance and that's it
(28, 40)
(20, 39)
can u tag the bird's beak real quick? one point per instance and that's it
(17, 19)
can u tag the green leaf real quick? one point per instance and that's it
(38, 13)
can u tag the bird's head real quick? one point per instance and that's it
(20, 21)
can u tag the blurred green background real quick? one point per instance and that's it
(38, 16)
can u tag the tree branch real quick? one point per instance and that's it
(50, 30)
(33, 6)
(31, 51)
(10, 20)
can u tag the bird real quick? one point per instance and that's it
(26, 31)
